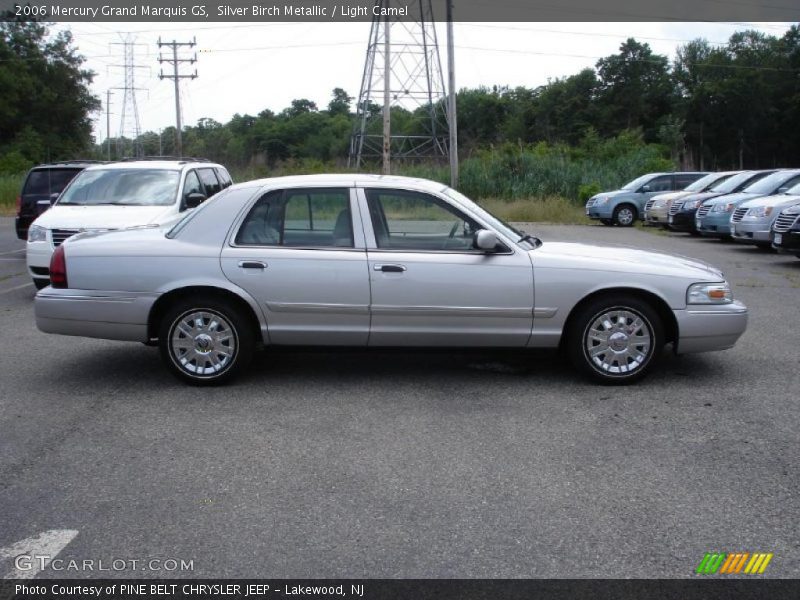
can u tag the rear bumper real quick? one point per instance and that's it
(708, 328)
(93, 313)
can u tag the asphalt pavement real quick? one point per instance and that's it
(401, 464)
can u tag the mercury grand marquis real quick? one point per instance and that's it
(362, 260)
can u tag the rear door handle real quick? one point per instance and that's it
(389, 268)
(252, 264)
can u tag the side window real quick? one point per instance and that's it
(224, 177)
(209, 181)
(415, 221)
(662, 183)
(191, 185)
(684, 179)
(307, 218)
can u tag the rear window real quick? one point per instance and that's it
(45, 182)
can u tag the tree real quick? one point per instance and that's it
(340, 104)
(45, 104)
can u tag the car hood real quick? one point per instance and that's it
(668, 197)
(102, 217)
(622, 259)
(614, 194)
(736, 198)
(776, 200)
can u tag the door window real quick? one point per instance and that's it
(192, 185)
(209, 181)
(662, 183)
(311, 218)
(405, 220)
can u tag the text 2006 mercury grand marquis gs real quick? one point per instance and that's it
(360, 260)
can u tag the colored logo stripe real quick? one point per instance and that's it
(732, 563)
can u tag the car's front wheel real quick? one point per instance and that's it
(615, 340)
(625, 215)
(205, 341)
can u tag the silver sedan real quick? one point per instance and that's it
(361, 260)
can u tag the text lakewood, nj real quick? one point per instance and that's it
(224, 10)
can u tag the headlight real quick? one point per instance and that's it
(603, 200)
(759, 212)
(720, 207)
(693, 204)
(709, 293)
(37, 234)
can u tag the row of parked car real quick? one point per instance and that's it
(755, 207)
(61, 199)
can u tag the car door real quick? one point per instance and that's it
(429, 286)
(299, 253)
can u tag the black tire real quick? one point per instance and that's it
(625, 215)
(765, 246)
(41, 283)
(607, 222)
(602, 368)
(232, 349)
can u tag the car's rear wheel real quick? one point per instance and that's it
(615, 340)
(205, 341)
(624, 215)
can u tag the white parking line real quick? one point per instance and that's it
(13, 252)
(35, 553)
(19, 287)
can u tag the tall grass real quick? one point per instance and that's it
(551, 209)
(9, 190)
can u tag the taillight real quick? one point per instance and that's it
(19, 204)
(58, 268)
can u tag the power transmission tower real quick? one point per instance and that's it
(175, 61)
(129, 116)
(402, 77)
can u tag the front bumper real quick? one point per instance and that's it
(704, 328)
(683, 220)
(603, 211)
(751, 232)
(714, 224)
(93, 313)
(789, 241)
(657, 216)
(37, 255)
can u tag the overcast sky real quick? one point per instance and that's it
(246, 68)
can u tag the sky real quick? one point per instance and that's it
(248, 67)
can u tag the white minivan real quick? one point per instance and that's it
(119, 195)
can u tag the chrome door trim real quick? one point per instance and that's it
(317, 307)
(455, 311)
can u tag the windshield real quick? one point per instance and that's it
(704, 182)
(770, 185)
(128, 187)
(732, 183)
(499, 224)
(637, 183)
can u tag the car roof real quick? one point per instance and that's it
(68, 164)
(345, 179)
(174, 165)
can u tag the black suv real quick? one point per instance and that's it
(42, 186)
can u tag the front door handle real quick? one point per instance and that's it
(252, 264)
(389, 268)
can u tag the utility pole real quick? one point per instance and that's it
(108, 122)
(177, 77)
(387, 98)
(452, 118)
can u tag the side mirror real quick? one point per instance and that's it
(484, 240)
(54, 197)
(195, 199)
(645, 188)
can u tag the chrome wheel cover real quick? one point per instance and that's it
(202, 343)
(618, 341)
(625, 216)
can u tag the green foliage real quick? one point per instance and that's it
(45, 102)
(12, 163)
(10, 186)
(587, 190)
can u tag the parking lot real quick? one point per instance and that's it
(409, 464)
